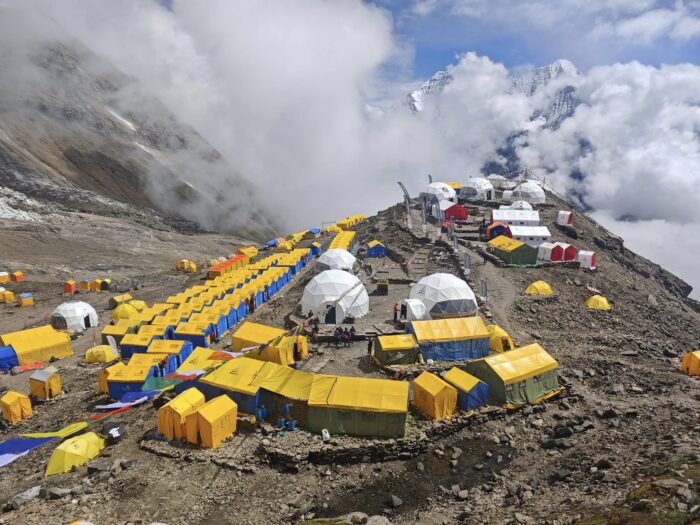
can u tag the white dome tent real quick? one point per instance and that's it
(74, 316)
(336, 259)
(415, 310)
(500, 182)
(517, 205)
(334, 295)
(528, 191)
(438, 191)
(477, 188)
(445, 295)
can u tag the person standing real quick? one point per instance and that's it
(396, 312)
(369, 346)
(336, 335)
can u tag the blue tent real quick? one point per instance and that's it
(196, 336)
(433, 344)
(137, 347)
(316, 250)
(471, 393)
(8, 358)
(376, 249)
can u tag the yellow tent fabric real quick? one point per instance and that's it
(100, 354)
(504, 243)
(96, 285)
(62, 433)
(106, 373)
(285, 381)
(138, 304)
(539, 288)
(212, 423)
(454, 185)
(460, 379)
(236, 375)
(250, 251)
(25, 301)
(7, 297)
(359, 393)
(15, 407)
(165, 346)
(45, 384)
(372, 244)
(499, 340)
(433, 396)
(171, 416)
(124, 311)
(38, 344)
(279, 348)
(450, 329)
(199, 359)
(398, 342)
(521, 363)
(119, 299)
(690, 363)
(74, 452)
(597, 302)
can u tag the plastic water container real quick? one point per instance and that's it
(281, 422)
(325, 435)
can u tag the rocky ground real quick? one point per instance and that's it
(618, 446)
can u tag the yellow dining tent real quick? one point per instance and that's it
(74, 452)
(38, 344)
(433, 396)
(171, 416)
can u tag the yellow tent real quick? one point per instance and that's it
(499, 340)
(105, 374)
(119, 299)
(199, 359)
(359, 393)
(539, 288)
(454, 185)
(4, 277)
(45, 384)
(7, 297)
(690, 363)
(38, 344)
(433, 396)
(212, 423)
(124, 311)
(236, 375)
(250, 251)
(171, 416)
(96, 285)
(138, 304)
(285, 381)
(279, 348)
(74, 452)
(450, 329)
(597, 302)
(15, 407)
(191, 267)
(100, 354)
(118, 330)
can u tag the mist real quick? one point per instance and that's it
(306, 100)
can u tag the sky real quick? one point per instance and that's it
(307, 99)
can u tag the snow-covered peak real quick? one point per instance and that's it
(528, 83)
(435, 85)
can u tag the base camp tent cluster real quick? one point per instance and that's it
(440, 397)
(34, 345)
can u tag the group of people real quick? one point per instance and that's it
(343, 336)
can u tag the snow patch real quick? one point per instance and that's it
(13, 206)
(126, 123)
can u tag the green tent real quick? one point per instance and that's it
(399, 349)
(358, 406)
(513, 252)
(517, 377)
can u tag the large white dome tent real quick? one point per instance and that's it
(477, 188)
(438, 191)
(445, 295)
(334, 295)
(528, 191)
(517, 205)
(336, 259)
(74, 316)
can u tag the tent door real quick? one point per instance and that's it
(86, 321)
(330, 316)
(505, 344)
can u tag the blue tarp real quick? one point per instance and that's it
(197, 339)
(460, 350)
(376, 251)
(127, 350)
(19, 445)
(475, 398)
(316, 250)
(129, 397)
(315, 231)
(8, 358)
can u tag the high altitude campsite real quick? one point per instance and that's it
(217, 306)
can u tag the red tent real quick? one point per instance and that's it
(457, 211)
(568, 251)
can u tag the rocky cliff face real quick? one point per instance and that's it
(79, 133)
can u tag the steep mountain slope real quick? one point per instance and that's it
(77, 132)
